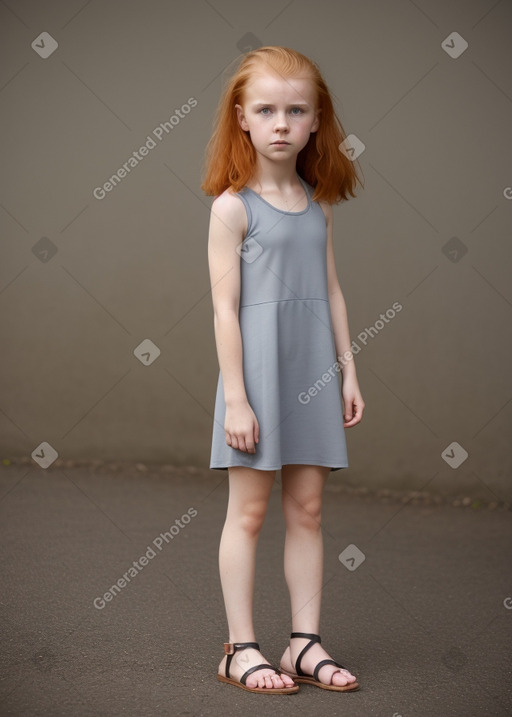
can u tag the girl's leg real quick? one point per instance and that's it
(249, 491)
(302, 490)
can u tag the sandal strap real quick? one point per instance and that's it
(313, 638)
(321, 664)
(256, 667)
(231, 647)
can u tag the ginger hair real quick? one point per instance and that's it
(230, 157)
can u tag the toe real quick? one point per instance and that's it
(253, 681)
(350, 677)
(342, 678)
(339, 679)
(279, 682)
(273, 680)
(330, 676)
(268, 681)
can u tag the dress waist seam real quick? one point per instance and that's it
(279, 301)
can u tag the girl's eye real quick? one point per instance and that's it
(299, 110)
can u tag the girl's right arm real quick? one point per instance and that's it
(227, 230)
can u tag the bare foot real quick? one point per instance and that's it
(328, 674)
(243, 659)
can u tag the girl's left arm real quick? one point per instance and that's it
(352, 398)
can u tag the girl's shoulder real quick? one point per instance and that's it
(230, 209)
(227, 200)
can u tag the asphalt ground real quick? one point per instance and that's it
(420, 609)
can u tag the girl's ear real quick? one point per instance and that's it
(241, 118)
(316, 123)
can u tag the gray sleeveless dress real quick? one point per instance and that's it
(291, 373)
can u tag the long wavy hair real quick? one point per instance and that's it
(230, 157)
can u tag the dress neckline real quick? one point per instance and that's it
(283, 211)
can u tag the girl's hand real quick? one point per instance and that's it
(241, 427)
(352, 401)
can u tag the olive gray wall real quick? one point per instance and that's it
(86, 277)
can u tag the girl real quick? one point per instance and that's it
(275, 167)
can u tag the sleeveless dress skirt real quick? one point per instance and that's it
(291, 373)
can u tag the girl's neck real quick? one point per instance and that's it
(273, 176)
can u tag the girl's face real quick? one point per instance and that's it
(277, 109)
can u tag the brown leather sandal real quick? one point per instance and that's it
(230, 648)
(301, 676)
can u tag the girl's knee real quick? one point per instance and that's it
(303, 512)
(250, 517)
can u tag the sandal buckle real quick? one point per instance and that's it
(229, 648)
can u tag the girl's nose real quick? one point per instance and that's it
(281, 121)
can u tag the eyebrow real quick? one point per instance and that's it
(269, 104)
